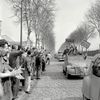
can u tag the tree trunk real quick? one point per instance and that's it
(36, 42)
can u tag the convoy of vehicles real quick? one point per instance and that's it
(87, 69)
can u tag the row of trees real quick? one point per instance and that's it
(38, 17)
(90, 27)
(83, 32)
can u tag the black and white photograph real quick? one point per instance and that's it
(49, 49)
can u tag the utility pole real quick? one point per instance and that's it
(21, 26)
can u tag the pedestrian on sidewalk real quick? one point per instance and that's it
(13, 62)
(43, 62)
(48, 58)
(27, 65)
(38, 63)
(5, 92)
(6, 82)
(33, 62)
(91, 82)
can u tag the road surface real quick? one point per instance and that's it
(54, 86)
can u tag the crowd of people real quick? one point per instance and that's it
(18, 67)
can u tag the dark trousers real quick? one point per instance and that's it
(22, 87)
(43, 65)
(7, 89)
(15, 86)
(37, 71)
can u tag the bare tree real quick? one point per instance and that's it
(37, 16)
(93, 17)
(84, 32)
(44, 20)
(88, 31)
(26, 13)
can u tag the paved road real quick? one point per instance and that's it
(54, 86)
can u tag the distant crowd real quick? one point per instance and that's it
(18, 66)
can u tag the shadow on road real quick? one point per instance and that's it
(75, 78)
(71, 98)
(60, 76)
(55, 75)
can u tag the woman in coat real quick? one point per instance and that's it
(91, 82)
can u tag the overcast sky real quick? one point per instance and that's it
(69, 14)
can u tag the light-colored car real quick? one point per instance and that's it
(76, 66)
(91, 82)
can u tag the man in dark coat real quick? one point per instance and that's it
(38, 63)
(14, 64)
